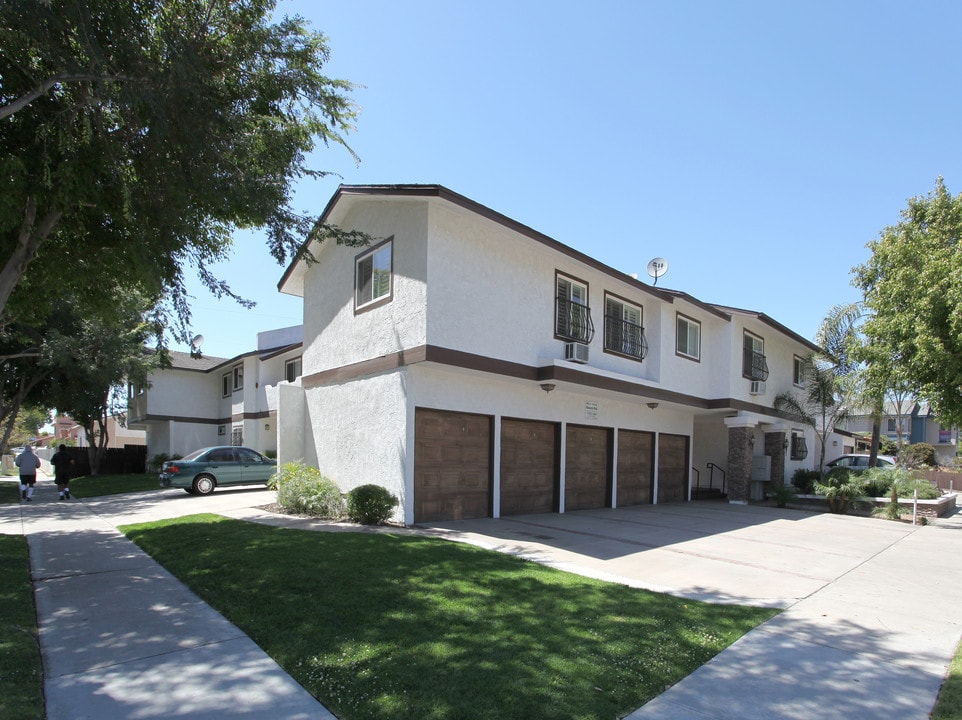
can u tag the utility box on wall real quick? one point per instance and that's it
(761, 474)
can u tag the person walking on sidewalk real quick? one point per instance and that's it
(28, 463)
(61, 461)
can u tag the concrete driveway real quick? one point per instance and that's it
(872, 608)
(705, 550)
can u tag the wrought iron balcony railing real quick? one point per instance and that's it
(625, 337)
(574, 321)
(755, 367)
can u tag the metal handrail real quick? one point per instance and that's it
(697, 476)
(712, 467)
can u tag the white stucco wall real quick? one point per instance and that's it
(333, 335)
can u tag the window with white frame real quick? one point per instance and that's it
(754, 365)
(572, 314)
(292, 369)
(238, 377)
(237, 435)
(624, 333)
(798, 371)
(688, 337)
(372, 275)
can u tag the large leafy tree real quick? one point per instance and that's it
(136, 136)
(92, 360)
(913, 287)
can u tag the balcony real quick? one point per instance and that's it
(573, 321)
(625, 338)
(754, 366)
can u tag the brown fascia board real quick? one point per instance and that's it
(274, 352)
(771, 322)
(439, 191)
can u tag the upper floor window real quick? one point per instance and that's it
(238, 377)
(798, 371)
(754, 365)
(372, 275)
(227, 385)
(292, 369)
(572, 314)
(688, 337)
(624, 333)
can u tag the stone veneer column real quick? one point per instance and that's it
(775, 448)
(739, 462)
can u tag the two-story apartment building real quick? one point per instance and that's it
(476, 367)
(202, 401)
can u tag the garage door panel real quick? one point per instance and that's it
(528, 476)
(672, 468)
(636, 460)
(587, 468)
(452, 475)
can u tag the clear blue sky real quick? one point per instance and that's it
(758, 146)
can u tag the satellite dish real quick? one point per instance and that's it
(195, 344)
(657, 267)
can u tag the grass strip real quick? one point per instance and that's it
(399, 626)
(949, 704)
(21, 670)
(89, 486)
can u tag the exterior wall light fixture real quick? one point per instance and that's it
(547, 387)
(652, 405)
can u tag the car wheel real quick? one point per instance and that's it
(203, 485)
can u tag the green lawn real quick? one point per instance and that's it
(21, 673)
(396, 626)
(89, 486)
(949, 705)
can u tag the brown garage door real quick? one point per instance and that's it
(672, 468)
(587, 468)
(528, 467)
(452, 461)
(636, 461)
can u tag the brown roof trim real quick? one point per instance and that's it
(771, 322)
(482, 363)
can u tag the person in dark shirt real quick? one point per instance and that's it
(61, 461)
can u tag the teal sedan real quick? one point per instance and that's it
(208, 468)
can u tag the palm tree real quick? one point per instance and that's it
(821, 404)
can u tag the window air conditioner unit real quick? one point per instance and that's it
(576, 352)
(757, 387)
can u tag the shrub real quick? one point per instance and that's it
(906, 487)
(878, 481)
(887, 446)
(782, 495)
(918, 454)
(805, 480)
(370, 504)
(303, 490)
(272, 454)
(840, 488)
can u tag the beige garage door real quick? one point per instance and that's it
(636, 462)
(587, 468)
(452, 465)
(529, 476)
(672, 468)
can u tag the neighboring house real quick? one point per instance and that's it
(915, 423)
(475, 367)
(204, 401)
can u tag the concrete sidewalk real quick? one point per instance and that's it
(121, 638)
(870, 624)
